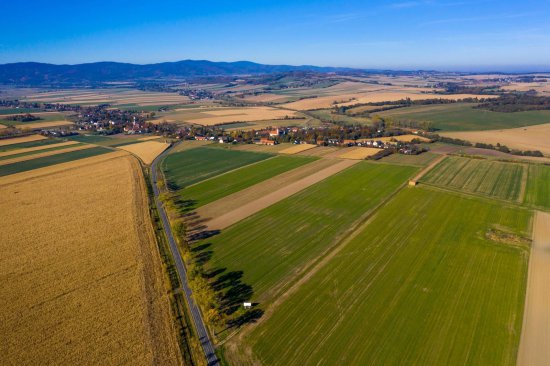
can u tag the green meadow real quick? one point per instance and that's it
(192, 166)
(421, 284)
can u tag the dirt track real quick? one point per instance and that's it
(535, 336)
(428, 168)
(266, 194)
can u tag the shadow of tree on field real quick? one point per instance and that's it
(229, 287)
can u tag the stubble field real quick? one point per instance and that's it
(81, 275)
(147, 151)
(524, 138)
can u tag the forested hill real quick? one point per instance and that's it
(34, 73)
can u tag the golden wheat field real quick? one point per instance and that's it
(18, 140)
(36, 148)
(43, 154)
(149, 138)
(147, 151)
(39, 125)
(80, 269)
(297, 148)
(216, 116)
(359, 153)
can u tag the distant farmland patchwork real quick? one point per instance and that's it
(345, 263)
(409, 287)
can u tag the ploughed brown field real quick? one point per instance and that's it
(81, 278)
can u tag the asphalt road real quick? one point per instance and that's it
(202, 333)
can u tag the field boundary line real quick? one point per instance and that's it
(45, 154)
(535, 331)
(432, 165)
(196, 315)
(232, 217)
(512, 203)
(156, 300)
(60, 168)
(227, 172)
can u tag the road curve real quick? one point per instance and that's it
(204, 338)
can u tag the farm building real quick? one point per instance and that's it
(265, 141)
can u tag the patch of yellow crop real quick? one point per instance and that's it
(149, 138)
(37, 148)
(297, 148)
(80, 269)
(146, 151)
(359, 153)
(18, 140)
(39, 125)
(43, 154)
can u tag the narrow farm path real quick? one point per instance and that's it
(524, 178)
(535, 335)
(200, 327)
(229, 218)
(428, 168)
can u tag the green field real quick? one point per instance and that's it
(44, 117)
(38, 151)
(462, 117)
(225, 184)
(420, 285)
(538, 186)
(18, 110)
(24, 145)
(23, 166)
(191, 166)
(416, 160)
(488, 177)
(270, 246)
(106, 140)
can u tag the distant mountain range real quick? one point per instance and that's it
(35, 73)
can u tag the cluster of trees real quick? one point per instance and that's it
(460, 88)
(516, 103)
(27, 117)
(220, 295)
(402, 103)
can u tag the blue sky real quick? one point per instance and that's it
(409, 34)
